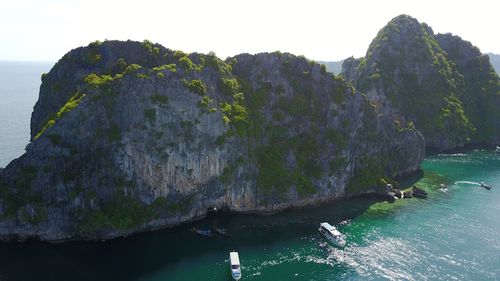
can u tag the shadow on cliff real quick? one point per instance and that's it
(145, 254)
(410, 180)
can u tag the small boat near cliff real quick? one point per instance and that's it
(220, 230)
(234, 260)
(203, 232)
(486, 185)
(332, 234)
(417, 192)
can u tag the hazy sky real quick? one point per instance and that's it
(320, 30)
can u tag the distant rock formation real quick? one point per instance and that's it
(495, 61)
(334, 67)
(440, 82)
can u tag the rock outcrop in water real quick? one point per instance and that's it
(130, 136)
(440, 82)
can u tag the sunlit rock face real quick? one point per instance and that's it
(130, 136)
(440, 82)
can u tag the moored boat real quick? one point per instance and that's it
(332, 234)
(497, 149)
(234, 260)
(486, 186)
(417, 192)
(220, 230)
(202, 232)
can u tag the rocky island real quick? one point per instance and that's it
(442, 83)
(132, 136)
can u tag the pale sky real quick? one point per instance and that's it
(321, 30)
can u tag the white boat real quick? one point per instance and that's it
(234, 259)
(332, 234)
(498, 149)
(486, 185)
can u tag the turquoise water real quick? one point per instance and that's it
(19, 85)
(453, 235)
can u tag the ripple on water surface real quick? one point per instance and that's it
(452, 235)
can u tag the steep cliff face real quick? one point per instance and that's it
(482, 87)
(130, 136)
(440, 82)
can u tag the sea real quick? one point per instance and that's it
(19, 85)
(454, 234)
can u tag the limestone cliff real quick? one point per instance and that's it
(482, 87)
(440, 82)
(130, 136)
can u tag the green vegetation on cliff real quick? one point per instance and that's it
(92, 54)
(162, 136)
(432, 81)
(196, 86)
(69, 106)
(122, 213)
(292, 159)
(481, 84)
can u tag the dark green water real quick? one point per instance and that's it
(453, 235)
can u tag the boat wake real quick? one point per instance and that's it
(345, 222)
(467, 182)
(452, 155)
(369, 261)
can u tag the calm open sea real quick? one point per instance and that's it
(19, 85)
(453, 235)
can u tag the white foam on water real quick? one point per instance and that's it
(385, 258)
(255, 274)
(345, 222)
(467, 182)
(453, 155)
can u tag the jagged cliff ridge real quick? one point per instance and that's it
(441, 82)
(130, 136)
